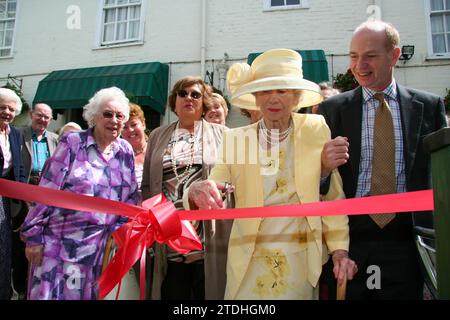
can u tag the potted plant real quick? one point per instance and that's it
(447, 102)
(10, 85)
(345, 81)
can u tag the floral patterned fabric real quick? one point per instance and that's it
(278, 268)
(74, 241)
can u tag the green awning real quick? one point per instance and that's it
(145, 83)
(315, 65)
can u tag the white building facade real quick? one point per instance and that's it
(204, 37)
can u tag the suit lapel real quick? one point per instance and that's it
(15, 151)
(411, 112)
(209, 147)
(156, 171)
(28, 142)
(299, 151)
(351, 115)
(51, 143)
(301, 165)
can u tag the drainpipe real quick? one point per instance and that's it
(203, 40)
(222, 69)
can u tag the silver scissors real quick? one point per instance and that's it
(227, 191)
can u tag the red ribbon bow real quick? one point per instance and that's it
(159, 222)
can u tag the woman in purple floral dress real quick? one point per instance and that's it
(66, 247)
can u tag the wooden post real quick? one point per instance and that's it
(438, 144)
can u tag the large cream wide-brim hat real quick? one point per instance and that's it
(272, 70)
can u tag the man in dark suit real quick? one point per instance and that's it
(384, 252)
(37, 145)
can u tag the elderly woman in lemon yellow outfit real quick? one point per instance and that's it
(276, 161)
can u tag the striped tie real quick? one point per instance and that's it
(383, 163)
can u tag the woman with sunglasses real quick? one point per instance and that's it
(65, 247)
(177, 155)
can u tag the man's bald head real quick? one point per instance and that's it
(41, 115)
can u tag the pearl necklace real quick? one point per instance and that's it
(185, 175)
(273, 137)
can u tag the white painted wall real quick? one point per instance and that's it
(43, 43)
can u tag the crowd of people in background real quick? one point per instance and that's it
(313, 143)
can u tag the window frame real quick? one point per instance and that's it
(14, 30)
(118, 43)
(304, 4)
(431, 53)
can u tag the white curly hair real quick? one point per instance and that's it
(102, 96)
(9, 95)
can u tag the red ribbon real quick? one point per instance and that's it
(158, 220)
(389, 203)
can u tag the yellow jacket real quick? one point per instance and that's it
(241, 169)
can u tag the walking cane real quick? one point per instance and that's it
(107, 254)
(340, 290)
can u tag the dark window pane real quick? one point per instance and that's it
(12, 8)
(108, 33)
(110, 15)
(437, 5)
(438, 43)
(5, 52)
(2, 9)
(448, 42)
(447, 21)
(292, 2)
(121, 31)
(8, 38)
(437, 24)
(275, 3)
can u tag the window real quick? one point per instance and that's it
(439, 26)
(7, 23)
(271, 5)
(122, 22)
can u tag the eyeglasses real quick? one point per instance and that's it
(42, 116)
(193, 94)
(110, 115)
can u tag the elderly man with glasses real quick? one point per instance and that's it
(37, 146)
(38, 143)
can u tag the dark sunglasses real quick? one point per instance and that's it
(193, 94)
(110, 115)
